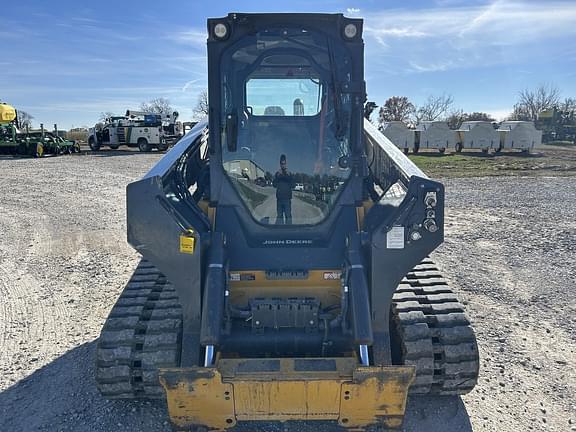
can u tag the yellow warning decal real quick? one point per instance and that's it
(187, 242)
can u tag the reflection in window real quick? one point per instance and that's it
(285, 196)
(292, 145)
(283, 97)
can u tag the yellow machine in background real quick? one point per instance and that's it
(35, 143)
(7, 113)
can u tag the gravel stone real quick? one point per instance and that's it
(509, 251)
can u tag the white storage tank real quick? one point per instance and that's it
(400, 135)
(478, 135)
(434, 135)
(521, 135)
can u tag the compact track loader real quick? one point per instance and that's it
(285, 241)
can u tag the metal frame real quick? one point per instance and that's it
(161, 209)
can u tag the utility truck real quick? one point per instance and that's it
(136, 129)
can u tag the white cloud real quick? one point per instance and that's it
(402, 32)
(117, 105)
(496, 33)
(496, 22)
(444, 3)
(98, 60)
(432, 67)
(353, 11)
(189, 84)
(498, 113)
(85, 20)
(382, 35)
(192, 37)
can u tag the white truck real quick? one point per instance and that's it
(171, 130)
(136, 129)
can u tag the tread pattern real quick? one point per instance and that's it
(141, 334)
(434, 334)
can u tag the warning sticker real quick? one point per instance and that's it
(186, 244)
(395, 238)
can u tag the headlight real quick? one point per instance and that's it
(220, 31)
(350, 31)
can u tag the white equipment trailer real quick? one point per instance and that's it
(521, 135)
(477, 135)
(434, 135)
(399, 134)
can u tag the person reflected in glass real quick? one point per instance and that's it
(284, 183)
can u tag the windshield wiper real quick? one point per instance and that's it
(340, 126)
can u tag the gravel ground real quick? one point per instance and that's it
(510, 243)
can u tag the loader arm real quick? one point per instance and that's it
(164, 194)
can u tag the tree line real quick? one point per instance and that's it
(163, 106)
(530, 105)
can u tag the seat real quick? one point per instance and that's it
(274, 111)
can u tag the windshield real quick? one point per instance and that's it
(292, 145)
(283, 97)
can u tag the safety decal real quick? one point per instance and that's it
(395, 238)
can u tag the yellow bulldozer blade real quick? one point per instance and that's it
(287, 389)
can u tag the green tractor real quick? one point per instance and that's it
(52, 142)
(30, 143)
(13, 142)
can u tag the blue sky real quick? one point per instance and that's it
(65, 61)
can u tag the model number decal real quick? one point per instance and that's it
(332, 275)
(287, 242)
(237, 277)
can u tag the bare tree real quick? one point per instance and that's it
(480, 116)
(532, 102)
(396, 108)
(25, 120)
(201, 108)
(105, 115)
(568, 105)
(519, 112)
(434, 108)
(456, 118)
(157, 106)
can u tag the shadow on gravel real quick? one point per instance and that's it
(480, 155)
(115, 153)
(62, 396)
(533, 154)
(19, 157)
(437, 414)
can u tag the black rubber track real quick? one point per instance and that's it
(141, 335)
(434, 334)
(143, 332)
